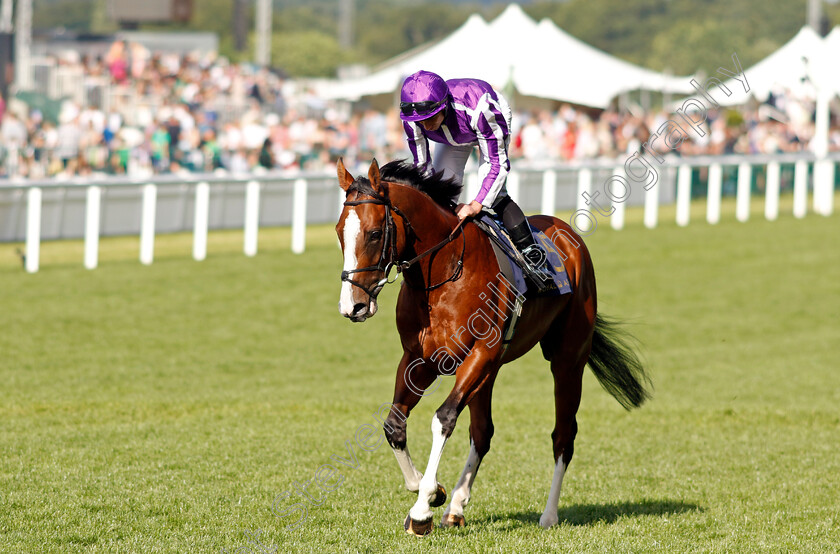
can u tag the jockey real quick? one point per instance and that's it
(458, 115)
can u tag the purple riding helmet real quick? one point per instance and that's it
(423, 95)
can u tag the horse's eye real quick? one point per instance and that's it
(376, 234)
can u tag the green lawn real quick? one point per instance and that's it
(164, 408)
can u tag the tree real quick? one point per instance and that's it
(308, 53)
(692, 46)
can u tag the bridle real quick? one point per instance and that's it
(388, 260)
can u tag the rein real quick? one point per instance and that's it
(390, 240)
(459, 266)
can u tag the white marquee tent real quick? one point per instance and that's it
(437, 58)
(540, 60)
(829, 77)
(797, 67)
(582, 74)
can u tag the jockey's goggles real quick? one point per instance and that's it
(419, 108)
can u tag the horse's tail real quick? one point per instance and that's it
(616, 366)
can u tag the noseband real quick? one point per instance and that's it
(387, 260)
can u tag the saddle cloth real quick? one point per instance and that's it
(503, 246)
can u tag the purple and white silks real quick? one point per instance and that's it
(477, 115)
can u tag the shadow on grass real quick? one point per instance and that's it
(590, 514)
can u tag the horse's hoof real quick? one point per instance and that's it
(418, 528)
(439, 499)
(547, 521)
(450, 520)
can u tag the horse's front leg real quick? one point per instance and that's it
(469, 377)
(407, 393)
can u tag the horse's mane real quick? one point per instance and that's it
(438, 188)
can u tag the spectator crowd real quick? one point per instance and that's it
(170, 113)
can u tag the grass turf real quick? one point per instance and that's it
(165, 408)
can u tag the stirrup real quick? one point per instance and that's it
(539, 273)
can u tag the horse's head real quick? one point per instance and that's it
(368, 236)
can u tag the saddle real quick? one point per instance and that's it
(513, 265)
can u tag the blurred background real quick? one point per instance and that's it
(224, 90)
(116, 86)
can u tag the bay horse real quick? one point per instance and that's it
(452, 306)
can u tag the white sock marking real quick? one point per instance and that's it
(549, 516)
(421, 511)
(461, 493)
(410, 474)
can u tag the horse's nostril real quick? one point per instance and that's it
(358, 308)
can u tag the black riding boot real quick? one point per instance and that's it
(538, 269)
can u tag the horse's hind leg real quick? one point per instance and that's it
(568, 375)
(481, 431)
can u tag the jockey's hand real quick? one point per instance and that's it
(468, 210)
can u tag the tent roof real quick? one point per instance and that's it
(827, 66)
(541, 60)
(786, 68)
(440, 57)
(585, 75)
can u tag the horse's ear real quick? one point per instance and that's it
(373, 174)
(344, 177)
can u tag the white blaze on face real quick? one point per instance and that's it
(352, 227)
